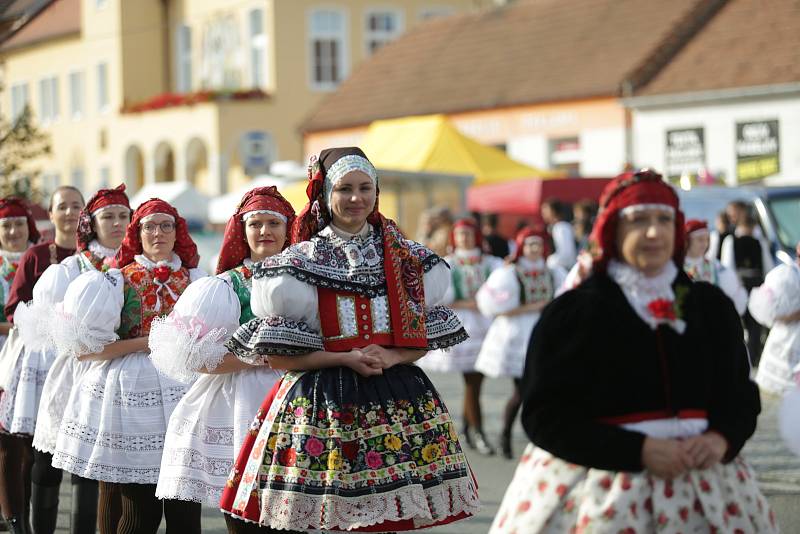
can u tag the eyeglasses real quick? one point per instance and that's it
(165, 227)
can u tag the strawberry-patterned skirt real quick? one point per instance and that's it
(332, 450)
(549, 495)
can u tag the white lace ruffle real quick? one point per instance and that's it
(74, 338)
(100, 251)
(178, 351)
(35, 321)
(641, 290)
(332, 512)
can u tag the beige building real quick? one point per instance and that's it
(205, 91)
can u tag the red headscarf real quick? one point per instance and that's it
(632, 189)
(16, 207)
(525, 233)
(404, 272)
(693, 225)
(234, 243)
(467, 222)
(185, 247)
(102, 199)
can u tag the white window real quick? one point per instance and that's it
(105, 177)
(328, 40)
(382, 26)
(183, 58)
(48, 99)
(432, 12)
(258, 48)
(19, 99)
(77, 90)
(76, 178)
(102, 86)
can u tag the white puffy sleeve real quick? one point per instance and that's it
(438, 286)
(196, 274)
(778, 296)
(729, 283)
(501, 292)
(34, 319)
(286, 323)
(192, 337)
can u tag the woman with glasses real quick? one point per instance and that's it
(636, 392)
(116, 416)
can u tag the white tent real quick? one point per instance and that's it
(190, 203)
(221, 208)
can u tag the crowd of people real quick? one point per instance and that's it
(289, 388)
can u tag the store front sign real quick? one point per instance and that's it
(757, 150)
(686, 152)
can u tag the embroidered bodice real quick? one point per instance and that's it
(145, 299)
(241, 279)
(9, 261)
(536, 281)
(701, 270)
(336, 286)
(469, 270)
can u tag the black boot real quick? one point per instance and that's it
(505, 445)
(84, 506)
(44, 503)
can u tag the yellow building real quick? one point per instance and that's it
(204, 91)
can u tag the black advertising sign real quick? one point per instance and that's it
(686, 152)
(757, 150)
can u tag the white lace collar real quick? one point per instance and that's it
(333, 230)
(468, 254)
(100, 251)
(11, 256)
(248, 263)
(645, 292)
(530, 265)
(147, 263)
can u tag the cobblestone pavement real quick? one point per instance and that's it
(778, 469)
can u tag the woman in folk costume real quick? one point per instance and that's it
(17, 232)
(208, 426)
(357, 438)
(469, 269)
(116, 417)
(101, 228)
(515, 296)
(776, 305)
(636, 391)
(703, 269)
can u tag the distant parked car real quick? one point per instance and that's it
(777, 210)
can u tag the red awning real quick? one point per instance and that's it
(523, 197)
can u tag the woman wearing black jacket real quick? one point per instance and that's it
(636, 392)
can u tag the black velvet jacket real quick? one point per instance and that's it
(592, 358)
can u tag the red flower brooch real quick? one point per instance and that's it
(162, 272)
(663, 309)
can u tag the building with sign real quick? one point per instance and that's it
(541, 79)
(203, 91)
(729, 101)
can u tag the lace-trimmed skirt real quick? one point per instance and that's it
(19, 403)
(65, 371)
(115, 421)
(207, 430)
(337, 451)
(549, 495)
(459, 358)
(506, 345)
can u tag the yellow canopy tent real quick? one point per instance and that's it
(431, 144)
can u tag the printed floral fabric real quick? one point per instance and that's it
(141, 296)
(343, 451)
(536, 284)
(549, 495)
(242, 281)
